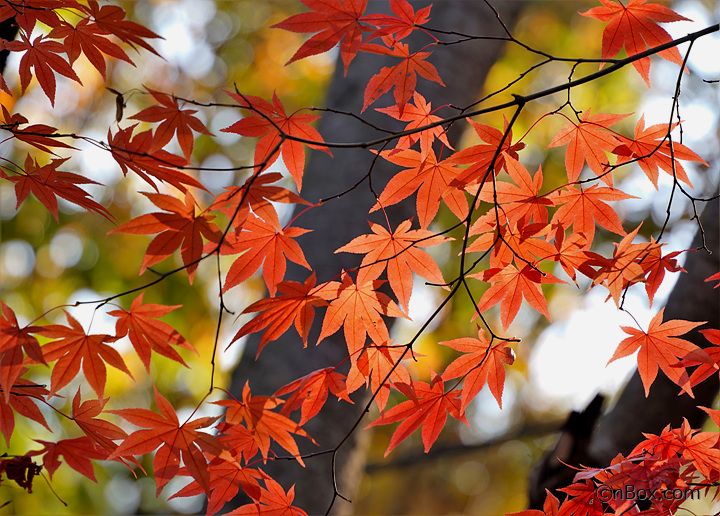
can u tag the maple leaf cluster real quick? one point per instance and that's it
(513, 233)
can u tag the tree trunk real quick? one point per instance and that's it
(463, 68)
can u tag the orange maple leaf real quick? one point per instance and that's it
(400, 253)
(262, 244)
(651, 148)
(273, 501)
(74, 348)
(376, 363)
(659, 346)
(273, 126)
(77, 452)
(402, 24)
(264, 424)
(147, 334)
(102, 432)
(480, 363)
(24, 396)
(402, 77)
(294, 305)
(509, 286)
(417, 115)
(431, 178)
(428, 407)
(588, 141)
(173, 121)
(358, 308)
(179, 227)
(635, 27)
(310, 392)
(175, 441)
(584, 206)
(15, 342)
(334, 21)
(479, 157)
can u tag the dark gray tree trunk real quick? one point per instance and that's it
(463, 68)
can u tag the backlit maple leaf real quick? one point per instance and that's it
(77, 452)
(175, 441)
(402, 77)
(23, 398)
(481, 363)
(588, 141)
(43, 55)
(173, 121)
(295, 304)
(273, 501)
(272, 125)
(179, 226)
(428, 407)
(103, 433)
(310, 392)
(509, 286)
(74, 348)
(256, 412)
(15, 343)
(262, 244)
(651, 148)
(376, 364)
(146, 333)
(635, 26)
(660, 346)
(401, 25)
(334, 21)
(400, 253)
(358, 309)
(47, 183)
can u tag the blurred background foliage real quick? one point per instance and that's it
(211, 45)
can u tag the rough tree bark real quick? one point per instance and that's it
(463, 68)
(620, 429)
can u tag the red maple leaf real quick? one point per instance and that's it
(179, 227)
(358, 309)
(175, 441)
(310, 392)
(295, 304)
(273, 501)
(111, 20)
(256, 193)
(47, 183)
(262, 244)
(134, 153)
(428, 407)
(272, 125)
(376, 363)
(659, 346)
(173, 122)
(417, 115)
(87, 37)
(400, 253)
(482, 363)
(402, 24)
(652, 149)
(334, 21)
(588, 141)
(15, 342)
(77, 452)
(148, 334)
(519, 198)
(584, 206)
(102, 432)
(635, 27)
(227, 475)
(402, 77)
(431, 178)
(509, 286)
(24, 396)
(480, 156)
(264, 424)
(37, 135)
(714, 277)
(706, 370)
(74, 348)
(43, 56)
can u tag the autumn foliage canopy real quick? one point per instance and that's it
(516, 237)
